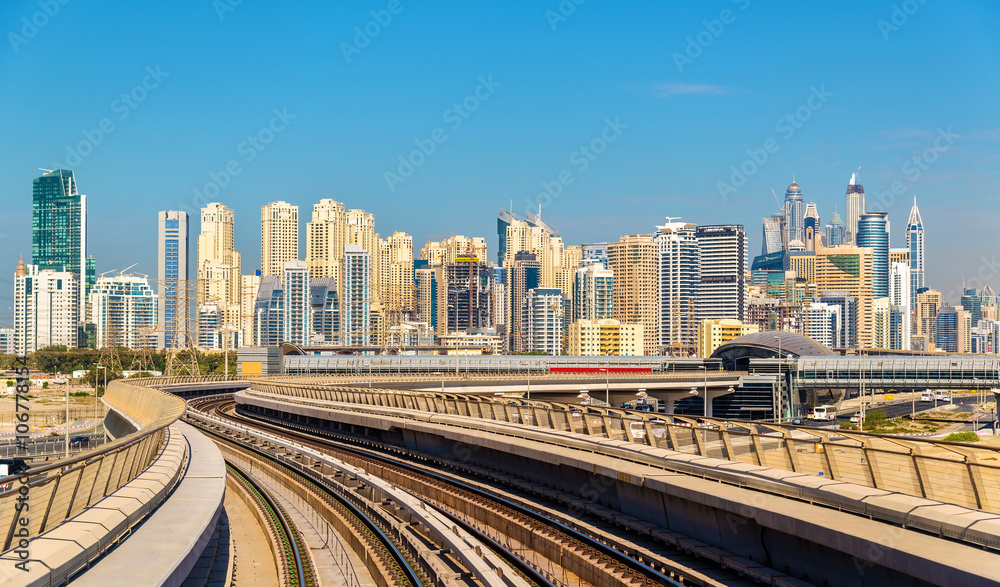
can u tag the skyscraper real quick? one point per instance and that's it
(633, 259)
(542, 320)
(59, 229)
(723, 289)
(124, 311)
(593, 293)
(953, 330)
(218, 262)
(873, 233)
(396, 265)
(834, 230)
(811, 227)
(900, 306)
(855, 208)
(279, 237)
(295, 288)
(45, 308)
(774, 234)
(524, 274)
(678, 279)
(326, 235)
(356, 316)
(915, 244)
(848, 269)
(795, 212)
(172, 265)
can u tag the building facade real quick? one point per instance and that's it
(724, 253)
(45, 308)
(173, 270)
(279, 237)
(124, 311)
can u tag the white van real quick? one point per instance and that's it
(941, 395)
(927, 396)
(824, 413)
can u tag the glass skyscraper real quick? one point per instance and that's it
(873, 232)
(59, 228)
(915, 244)
(795, 211)
(172, 244)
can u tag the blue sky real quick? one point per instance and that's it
(690, 90)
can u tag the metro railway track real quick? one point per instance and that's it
(383, 546)
(418, 480)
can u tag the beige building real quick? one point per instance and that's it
(925, 317)
(326, 235)
(849, 268)
(633, 261)
(279, 237)
(219, 263)
(714, 333)
(446, 251)
(463, 343)
(607, 337)
(396, 265)
(249, 284)
(881, 328)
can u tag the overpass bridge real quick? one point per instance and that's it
(777, 504)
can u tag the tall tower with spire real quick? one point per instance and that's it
(795, 211)
(915, 244)
(855, 207)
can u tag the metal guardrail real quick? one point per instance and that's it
(957, 473)
(57, 491)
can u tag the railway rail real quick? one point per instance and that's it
(474, 507)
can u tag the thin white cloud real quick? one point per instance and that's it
(667, 90)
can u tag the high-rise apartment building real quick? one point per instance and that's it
(724, 270)
(794, 211)
(873, 233)
(848, 269)
(45, 308)
(324, 308)
(523, 275)
(249, 285)
(59, 230)
(468, 283)
(430, 298)
(173, 266)
(219, 263)
(542, 320)
(855, 199)
(929, 301)
(396, 265)
(269, 312)
(915, 244)
(452, 248)
(823, 324)
(678, 286)
(356, 307)
(326, 235)
(593, 293)
(953, 328)
(295, 289)
(124, 312)
(847, 309)
(279, 237)
(634, 262)
(811, 227)
(899, 306)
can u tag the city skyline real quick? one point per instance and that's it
(673, 120)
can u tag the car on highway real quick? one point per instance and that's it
(79, 441)
(11, 467)
(926, 396)
(941, 395)
(796, 421)
(856, 418)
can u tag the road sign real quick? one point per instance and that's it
(888, 397)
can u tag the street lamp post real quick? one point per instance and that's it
(704, 408)
(105, 369)
(65, 382)
(527, 367)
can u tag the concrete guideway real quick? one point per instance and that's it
(851, 536)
